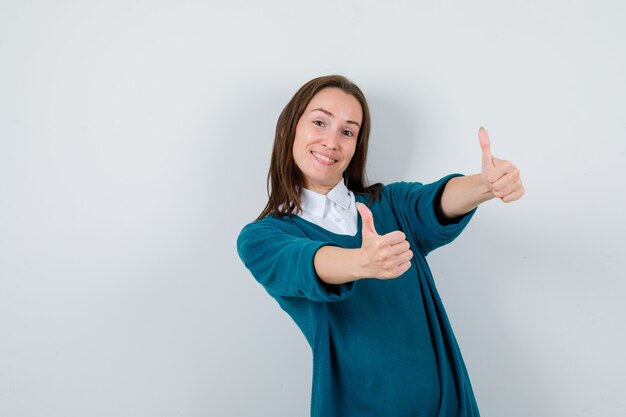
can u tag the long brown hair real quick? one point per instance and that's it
(284, 179)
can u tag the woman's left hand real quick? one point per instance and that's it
(501, 177)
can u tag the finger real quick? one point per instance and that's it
(392, 238)
(500, 170)
(399, 248)
(404, 257)
(507, 184)
(367, 219)
(485, 144)
(509, 176)
(515, 195)
(397, 271)
(391, 262)
(403, 268)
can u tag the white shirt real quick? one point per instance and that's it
(335, 212)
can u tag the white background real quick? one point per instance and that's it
(134, 143)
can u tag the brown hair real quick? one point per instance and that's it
(284, 179)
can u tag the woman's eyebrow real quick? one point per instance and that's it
(332, 115)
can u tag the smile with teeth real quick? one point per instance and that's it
(323, 158)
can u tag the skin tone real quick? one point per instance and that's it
(323, 147)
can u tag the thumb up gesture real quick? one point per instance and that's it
(384, 257)
(501, 177)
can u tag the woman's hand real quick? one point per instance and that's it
(501, 177)
(498, 178)
(384, 257)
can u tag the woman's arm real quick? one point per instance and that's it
(282, 261)
(462, 194)
(335, 265)
(380, 256)
(388, 256)
(499, 179)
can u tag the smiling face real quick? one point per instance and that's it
(326, 137)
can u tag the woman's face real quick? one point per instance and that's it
(326, 137)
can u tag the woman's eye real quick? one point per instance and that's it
(348, 133)
(318, 123)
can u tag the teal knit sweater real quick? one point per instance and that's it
(381, 348)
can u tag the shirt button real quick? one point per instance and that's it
(337, 219)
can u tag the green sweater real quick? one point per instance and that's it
(381, 348)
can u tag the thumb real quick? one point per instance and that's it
(485, 145)
(367, 219)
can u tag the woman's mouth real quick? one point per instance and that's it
(323, 159)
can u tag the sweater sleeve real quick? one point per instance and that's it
(283, 263)
(416, 206)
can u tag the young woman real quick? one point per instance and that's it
(346, 260)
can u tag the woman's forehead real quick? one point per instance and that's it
(337, 102)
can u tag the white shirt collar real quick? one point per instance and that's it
(340, 195)
(315, 203)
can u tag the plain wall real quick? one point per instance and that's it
(134, 144)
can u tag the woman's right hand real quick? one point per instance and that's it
(384, 257)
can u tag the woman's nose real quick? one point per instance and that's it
(330, 141)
